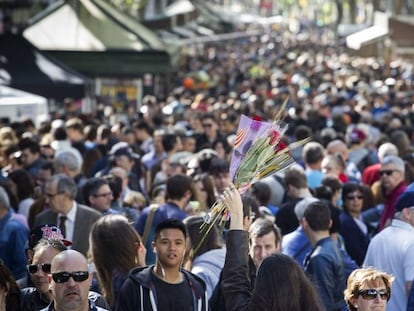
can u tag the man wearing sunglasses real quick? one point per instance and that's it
(392, 175)
(34, 298)
(69, 281)
(40, 296)
(392, 251)
(211, 132)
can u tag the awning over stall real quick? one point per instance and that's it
(378, 31)
(98, 40)
(24, 67)
(367, 36)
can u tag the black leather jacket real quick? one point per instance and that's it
(217, 301)
(236, 285)
(325, 267)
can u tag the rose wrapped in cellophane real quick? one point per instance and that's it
(258, 152)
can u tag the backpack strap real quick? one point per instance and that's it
(152, 209)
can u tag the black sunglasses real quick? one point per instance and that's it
(62, 277)
(371, 294)
(386, 172)
(34, 268)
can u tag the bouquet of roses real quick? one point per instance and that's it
(258, 152)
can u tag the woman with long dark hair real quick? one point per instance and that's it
(280, 283)
(116, 248)
(9, 291)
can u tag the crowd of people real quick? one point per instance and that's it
(100, 214)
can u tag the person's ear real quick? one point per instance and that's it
(91, 199)
(353, 302)
(406, 212)
(29, 255)
(90, 278)
(304, 223)
(189, 194)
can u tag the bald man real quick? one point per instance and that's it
(338, 147)
(69, 281)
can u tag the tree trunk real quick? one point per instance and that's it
(352, 11)
(397, 10)
(376, 5)
(340, 11)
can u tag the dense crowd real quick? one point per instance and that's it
(98, 213)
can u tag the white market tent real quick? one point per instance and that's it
(16, 105)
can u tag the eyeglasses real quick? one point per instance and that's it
(106, 194)
(354, 197)
(34, 268)
(62, 277)
(207, 125)
(386, 172)
(371, 294)
(52, 195)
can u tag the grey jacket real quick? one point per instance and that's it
(84, 219)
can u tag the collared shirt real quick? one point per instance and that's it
(70, 221)
(361, 224)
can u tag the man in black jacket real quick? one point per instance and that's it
(164, 286)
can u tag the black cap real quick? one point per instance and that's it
(46, 232)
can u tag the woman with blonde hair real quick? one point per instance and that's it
(368, 289)
(116, 248)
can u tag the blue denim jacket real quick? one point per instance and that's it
(325, 267)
